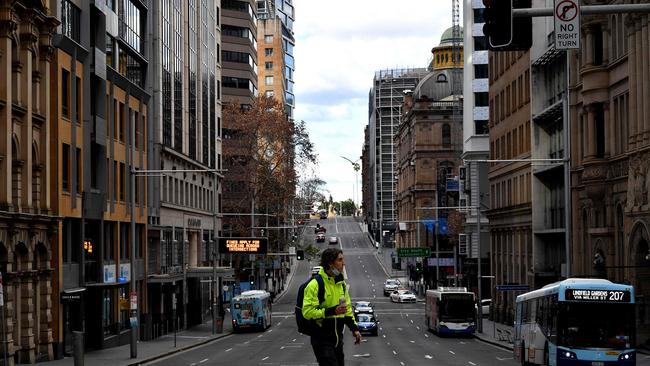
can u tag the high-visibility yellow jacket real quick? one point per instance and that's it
(330, 325)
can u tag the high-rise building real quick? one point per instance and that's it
(239, 82)
(475, 190)
(100, 114)
(27, 219)
(609, 86)
(275, 51)
(510, 214)
(185, 128)
(385, 103)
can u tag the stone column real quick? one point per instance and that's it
(28, 39)
(607, 121)
(45, 54)
(645, 80)
(639, 84)
(591, 137)
(632, 82)
(589, 47)
(8, 27)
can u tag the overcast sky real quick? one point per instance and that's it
(339, 46)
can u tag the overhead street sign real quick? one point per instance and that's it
(566, 16)
(243, 245)
(512, 287)
(413, 252)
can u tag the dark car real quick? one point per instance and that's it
(320, 229)
(367, 323)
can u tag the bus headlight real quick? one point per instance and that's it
(567, 354)
(630, 356)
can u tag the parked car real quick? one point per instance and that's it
(485, 306)
(402, 296)
(333, 240)
(320, 238)
(391, 285)
(367, 323)
(363, 307)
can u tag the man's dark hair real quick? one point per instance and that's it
(328, 257)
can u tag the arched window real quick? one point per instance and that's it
(446, 135)
(441, 78)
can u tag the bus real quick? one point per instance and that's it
(251, 309)
(576, 322)
(450, 310)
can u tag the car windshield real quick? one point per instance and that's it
(362, 304)
(392, 282)
(406, 293)
(365, 318)
(593, 325)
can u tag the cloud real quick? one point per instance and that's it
(339, 47)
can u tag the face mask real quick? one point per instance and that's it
(335, 272)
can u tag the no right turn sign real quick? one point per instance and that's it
(566, 16)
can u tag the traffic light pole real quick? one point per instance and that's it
(584, 10)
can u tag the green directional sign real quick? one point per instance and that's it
(413, 252)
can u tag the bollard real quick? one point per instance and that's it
(78, 348)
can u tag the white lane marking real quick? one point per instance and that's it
(461, 342)
(260, 336)
(270, 330)
(428, 357)
(388, 343)
(373, 296)
(411, 321)
(247, 342)
(362, 355)
(229, 349)
(412, 341)
(203, 360)
(282, 347)
(265, 358)
(401, 363)
(471, 363)
(417, 327)
(395, 353)
(503, 359)
(293, 340)
(452, 352)
(193, 363)
(400, 329)
(426, 335)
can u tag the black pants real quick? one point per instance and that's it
(328, 355)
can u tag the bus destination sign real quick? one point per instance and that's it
(243, 245)
(597, 295)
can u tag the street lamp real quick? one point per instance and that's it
(356, 167)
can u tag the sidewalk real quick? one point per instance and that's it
(160, 347)
(497, 334)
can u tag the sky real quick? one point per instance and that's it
(339, 46)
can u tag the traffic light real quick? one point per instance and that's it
(505, 33)
(300, 254)
(251, 280)
(418, 267)
(267, 273)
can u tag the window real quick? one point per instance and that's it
(481, 127)
(268, 51)
(480, 43)
(441, 78)
(268, 38)
(65, 168)
(130, 25)
(120, 129)
(446, 135)
(108, 320)
(122, 186)
(79, 175)
(268, 65)
(599, 121)
(78, 99)
(481, 71)
(65, 93)
(478, 16)
(70, 20)
(269, 93)
(481, 99)
(268, 80)
(598, 45)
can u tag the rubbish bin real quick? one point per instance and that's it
(218, 321)
(78, 348)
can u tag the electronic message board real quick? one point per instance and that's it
(243, 245)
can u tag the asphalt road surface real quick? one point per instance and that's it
(402, 340)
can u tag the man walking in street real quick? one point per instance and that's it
(331, 315)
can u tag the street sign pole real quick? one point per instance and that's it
(566, 17)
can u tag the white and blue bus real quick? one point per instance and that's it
(251, 309)
(576, 322)
(450, 310)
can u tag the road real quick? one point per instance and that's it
(402, 339)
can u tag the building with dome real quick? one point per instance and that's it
(428, 144)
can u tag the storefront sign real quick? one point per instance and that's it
(243, 245)
(109, 273)
(193, 222)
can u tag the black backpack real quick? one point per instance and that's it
(307, 326)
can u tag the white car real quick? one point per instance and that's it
(391, 285)
(333, 240)
(402, 296)
(485, 306)
(362, 307)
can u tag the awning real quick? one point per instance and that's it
(165, 278)
(72, 294)
(204, 272)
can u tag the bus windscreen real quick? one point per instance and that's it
(457, 308)
(596, 325)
